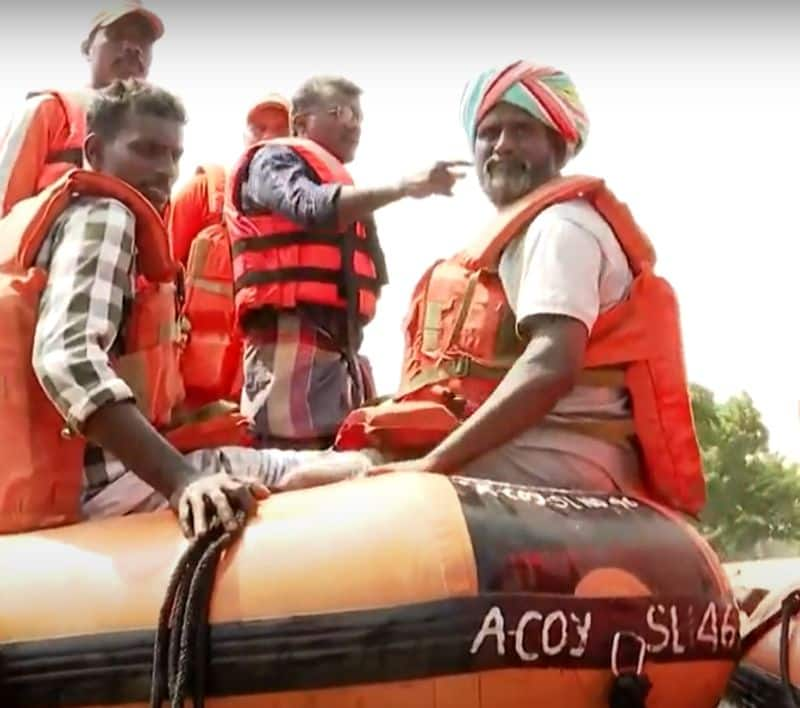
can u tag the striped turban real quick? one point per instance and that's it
(546, 93)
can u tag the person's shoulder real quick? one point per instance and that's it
(277, 155)
(37, 98)
(39, 105)
(107, 212)
(58, 101)
(575, 212)
(196, 185)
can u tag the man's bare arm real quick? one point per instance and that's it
(355, 204)
(543, 374)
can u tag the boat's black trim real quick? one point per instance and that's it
(347, 648)
(751, 687)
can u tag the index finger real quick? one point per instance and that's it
(184, 516)
(223, 510)
(457, 163)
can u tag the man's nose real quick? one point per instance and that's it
(504, 143)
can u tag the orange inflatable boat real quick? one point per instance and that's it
(401, 591)
(769, 674)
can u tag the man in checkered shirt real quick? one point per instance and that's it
(135, 132)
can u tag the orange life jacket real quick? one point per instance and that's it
(40, 482)
(278, 263)
(212, 360)
(461, 340)
(66, 152)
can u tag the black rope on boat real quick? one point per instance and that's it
(631, 686)
(789, 608)
(629, 691)
(180, 650)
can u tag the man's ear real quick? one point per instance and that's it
(560, 150)
(86, 45)
(93, 151)
(298, 125)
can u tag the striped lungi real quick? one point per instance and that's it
(299, 385)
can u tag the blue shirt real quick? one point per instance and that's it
(281, 181)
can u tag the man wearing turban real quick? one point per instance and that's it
(559, 273)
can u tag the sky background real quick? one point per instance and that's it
(695, 112)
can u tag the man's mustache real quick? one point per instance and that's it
(506, 164)
(129, 56)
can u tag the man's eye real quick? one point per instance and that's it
(146, 149)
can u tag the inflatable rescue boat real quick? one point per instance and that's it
(401, 591)
(769, 673)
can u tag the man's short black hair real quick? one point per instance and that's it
(112, 104)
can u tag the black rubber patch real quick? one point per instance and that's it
(546, 540)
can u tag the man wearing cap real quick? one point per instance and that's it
(212, 358)
(45, 138)
(546, 352)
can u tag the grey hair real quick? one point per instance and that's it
(314, 92)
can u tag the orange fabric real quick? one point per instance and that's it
(305, 270)
(410, 427)
(41, 479)
(57, 125)
(188, 215)
(641, 335)
(229, 429)
(269, 118)
(212, 359)
(272, 101)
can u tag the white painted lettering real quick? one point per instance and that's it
(582, 628)
(660, 629)
(730, 627)
(509, 493)
(524, 495)
(486, 488)
(708, 631)
(623, 502)
(561, 632)
(558, 502)
(538, 498)
(677, 647)
(593, 502)
(519, 638)
(493, 625)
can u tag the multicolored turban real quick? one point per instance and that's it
(546, 93)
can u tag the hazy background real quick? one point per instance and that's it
(695, 115)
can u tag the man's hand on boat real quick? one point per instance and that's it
(197, 496)
(419, 464)
(219, 495)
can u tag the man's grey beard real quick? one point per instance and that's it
(505, 182)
